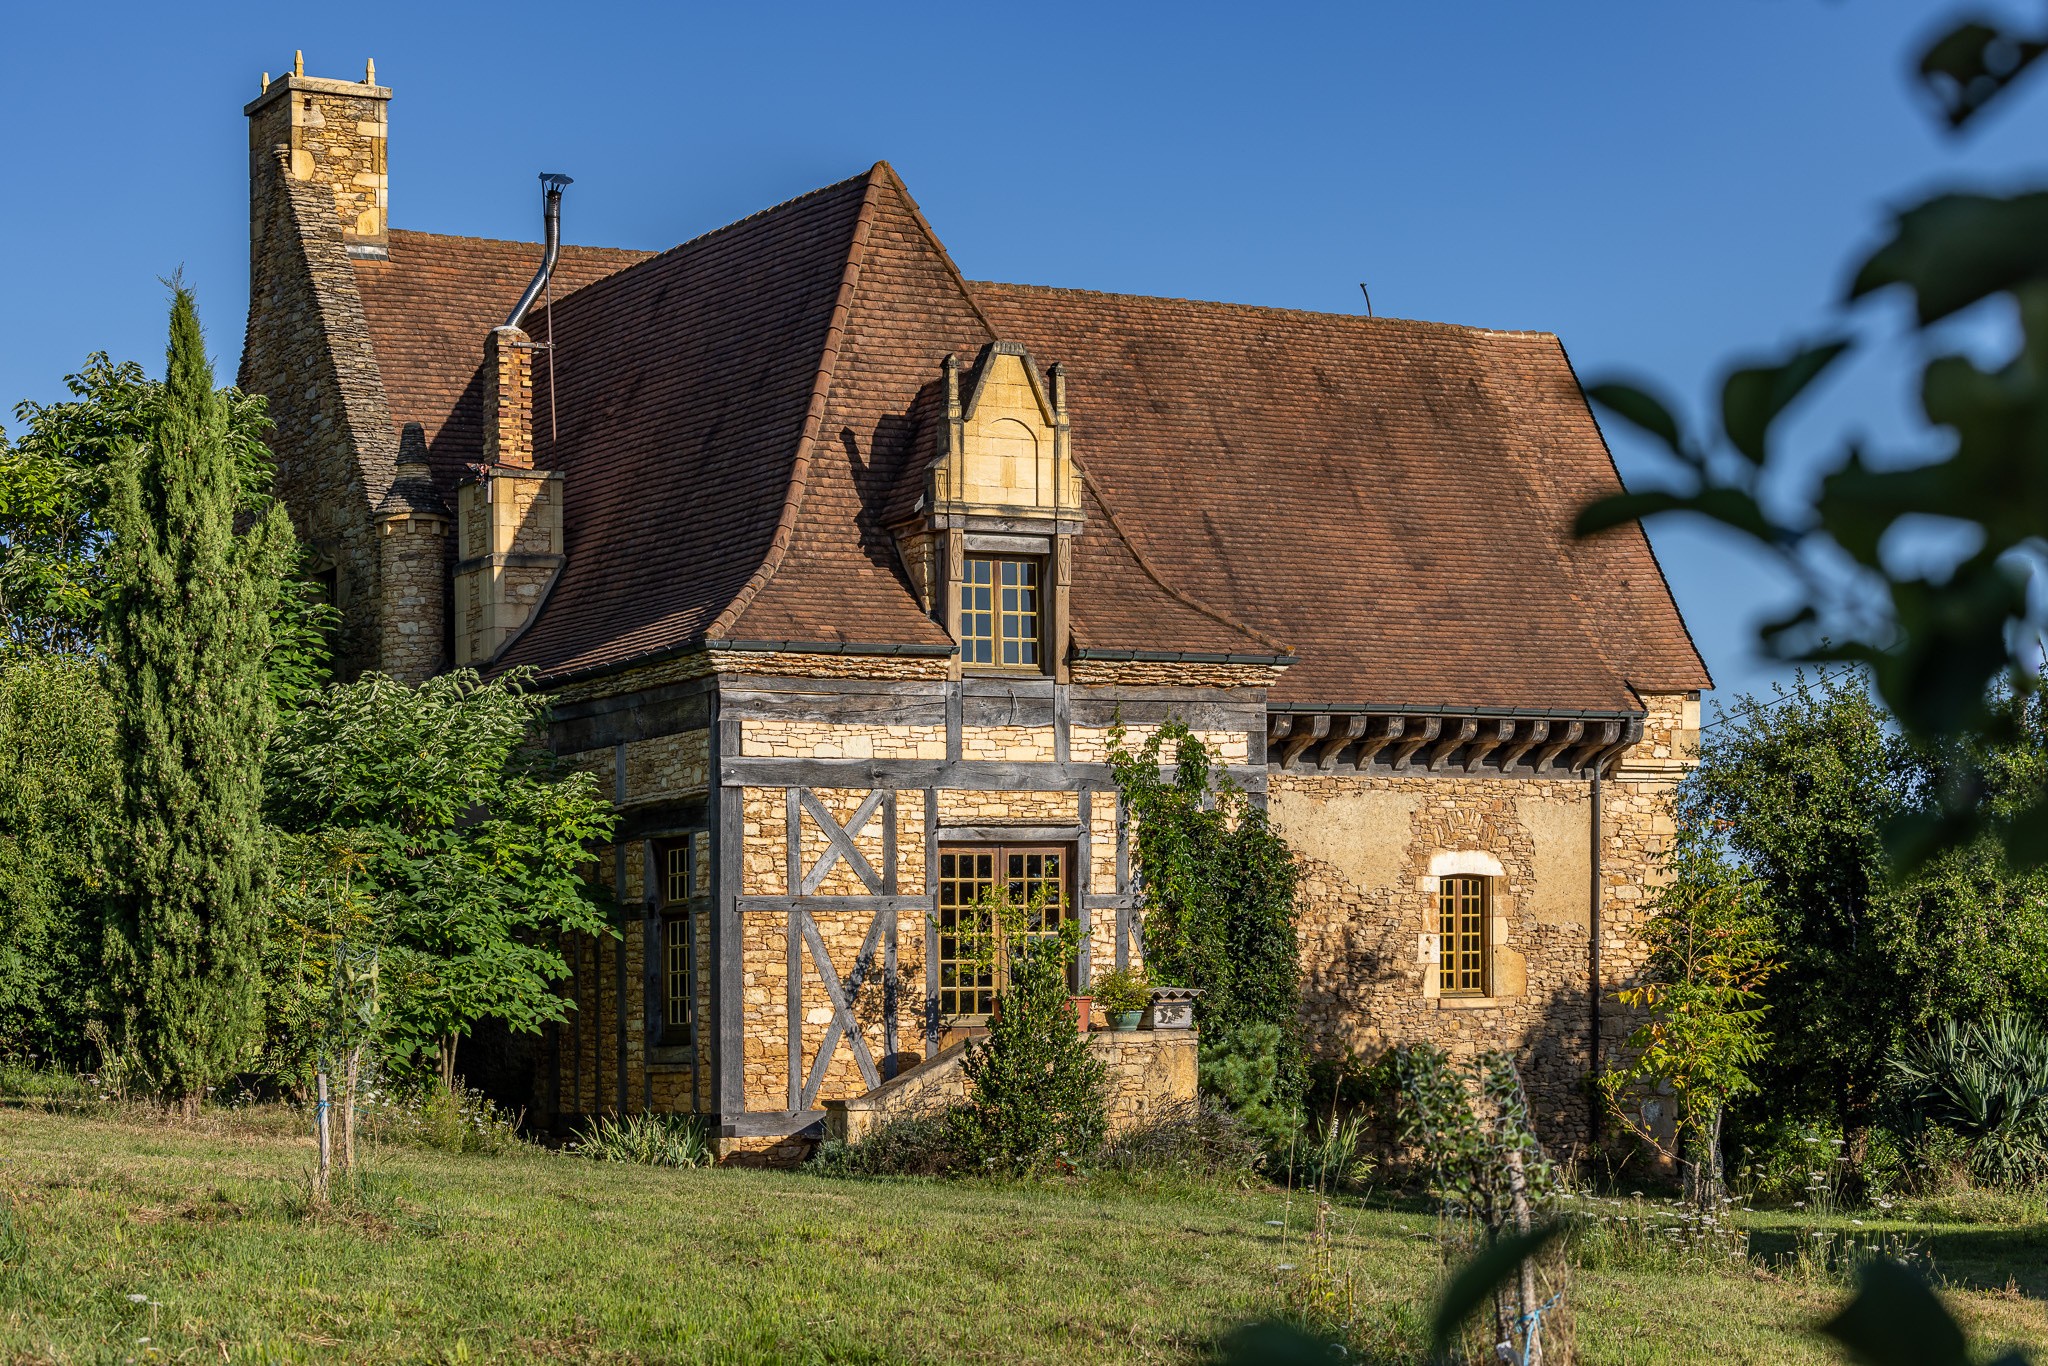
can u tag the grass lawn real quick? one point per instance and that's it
(537, 1256)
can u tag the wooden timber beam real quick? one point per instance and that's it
(1558, 745)
(1403, 751)
(1598, 737)
(1460, 733)
(1340, 740)
(1491, 736)
(1535, 733)
(1318, 727)
(1387, 730)
(1277, 727)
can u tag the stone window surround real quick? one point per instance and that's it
(1465, 863)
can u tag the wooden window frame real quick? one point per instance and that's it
(679, 886)
(1464, 922)
(998, 638)
(981, 994)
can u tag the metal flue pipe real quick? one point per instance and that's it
(551, 185)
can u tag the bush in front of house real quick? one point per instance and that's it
(1036, 1094)
(1194, 1140)
(916, 1143)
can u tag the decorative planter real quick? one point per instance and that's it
(1125, 1021)
(1083, 1005)
(1171, 1008)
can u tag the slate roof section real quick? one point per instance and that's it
(1392, 498)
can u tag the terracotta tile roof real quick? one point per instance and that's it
(428, 308)
(687, 389)
(741, 418)
(1392, 498)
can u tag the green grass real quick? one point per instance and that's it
(535, 1256)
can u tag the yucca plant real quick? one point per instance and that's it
(650, 1140)
(1988, 1083)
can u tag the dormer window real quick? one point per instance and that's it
(1000, 613)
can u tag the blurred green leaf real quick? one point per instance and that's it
(1272, 1343)
(1971, 65)
(1642, 409)
(1896, 1320)
(1627, 507)
(1479, 1278)
(1958, 248)
(1753, 397)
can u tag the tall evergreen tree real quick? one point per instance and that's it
(188, 634)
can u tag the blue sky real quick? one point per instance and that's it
(1662, 185)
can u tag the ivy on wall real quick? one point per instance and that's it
(1217, 884)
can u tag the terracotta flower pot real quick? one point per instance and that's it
(1083, 1007)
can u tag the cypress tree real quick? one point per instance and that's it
(188, 632)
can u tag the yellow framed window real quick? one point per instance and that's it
(969, 979)
(1462, 912)
(1001, 610)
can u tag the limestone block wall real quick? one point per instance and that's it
(1151, 1072)
(1368, 845)
(413, 585)
(1090, 744)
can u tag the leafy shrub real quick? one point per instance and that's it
(917, 1143)
(1800, 1165)
(1987, 1083)
(1036, 1093)
(1120, 991)
(1191, 1140)
(444, 1120)
(649, 1140)
(1242, 1069)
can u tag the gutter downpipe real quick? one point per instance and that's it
(1593, 967)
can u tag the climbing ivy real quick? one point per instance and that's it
(1217, 885)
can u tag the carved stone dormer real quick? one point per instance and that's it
(1001, 505)
(1003, 451)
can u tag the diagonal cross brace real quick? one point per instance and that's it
(841, 839)
(843, 1021)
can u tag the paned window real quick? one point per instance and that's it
(683, 871)
(1462, 904)
(1000, 611)
(973, 966)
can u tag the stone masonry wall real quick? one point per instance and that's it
(1366, 846)
(413, 585)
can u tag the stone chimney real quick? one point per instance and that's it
(412, 543)
(509, 515)
(508, 398)
(332, 134)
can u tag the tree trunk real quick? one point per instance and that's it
(348, 1109)
(1518, 1207)
(321, 1131)
(448, 1042)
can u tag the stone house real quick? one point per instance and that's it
(840, 567)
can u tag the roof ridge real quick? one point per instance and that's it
(814, 414)
(1423, 323)
(512, 242)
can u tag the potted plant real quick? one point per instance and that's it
(1122, 995)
